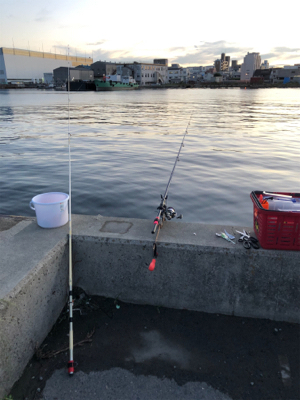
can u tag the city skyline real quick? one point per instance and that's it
(196, 35)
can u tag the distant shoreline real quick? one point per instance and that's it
(202, 85)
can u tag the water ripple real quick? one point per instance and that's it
(124, 147)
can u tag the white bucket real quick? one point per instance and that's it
(51, 209)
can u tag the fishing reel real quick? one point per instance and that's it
(170, 213)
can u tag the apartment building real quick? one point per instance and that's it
(252, 62)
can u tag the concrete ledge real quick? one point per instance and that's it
(194, 270)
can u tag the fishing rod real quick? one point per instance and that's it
(165, 212)
(71, 346)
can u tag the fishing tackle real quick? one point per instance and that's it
(165, 212)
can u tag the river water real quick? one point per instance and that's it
(124, 145)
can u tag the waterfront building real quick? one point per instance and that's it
(21, 66)
(297, 79)
(196, 73)
(264, 73)
(146, 74)
(101, 68)
(284, 75)
(252, 62)
(177, 74)
(208, 76)
(60, 75)
(48, 78)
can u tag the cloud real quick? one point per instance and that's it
(206, 53)
(97, 43)
(43, 15)
(281, 54)
(122, 56)
(177, 49)
(285, 49)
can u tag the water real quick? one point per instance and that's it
(124, 146)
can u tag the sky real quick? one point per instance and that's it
(189, 33)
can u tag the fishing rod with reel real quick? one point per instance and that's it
(165, 212)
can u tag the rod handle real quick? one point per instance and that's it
(71, 367)
(155, 224)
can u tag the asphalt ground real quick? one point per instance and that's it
(141, 352)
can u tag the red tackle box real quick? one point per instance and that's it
(278, 230)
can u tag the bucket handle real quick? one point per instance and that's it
(30, 205)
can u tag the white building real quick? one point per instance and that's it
(252, 61)
(19, 66)
(147, 74)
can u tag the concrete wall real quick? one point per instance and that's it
(231, 280)
(195, 270)
(33, 291)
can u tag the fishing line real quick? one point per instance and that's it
(164, 212)
(71, 346)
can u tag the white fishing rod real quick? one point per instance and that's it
(71, 346)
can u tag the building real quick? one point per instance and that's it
(265, 65)
(284, 75)
(218, 65)
(208, 76)
(226, 64)
(222, 65)
(252, 62)
(60, 75)
(21, 66)
(101, 68)
(177, 74)
(162, 61)
(196, 73)
(297, 79)
(263, 73)
(146, 74)
(48, 78)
